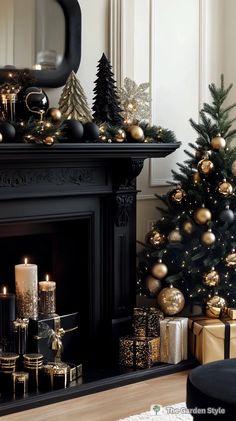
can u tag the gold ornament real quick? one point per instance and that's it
(178, 195)
(1, 137)
(103, 138)
(171, 301)
(225, 188)
(175, 236)
(233, 168)
(211, 278)
(49, 141)
(188, 227)
(230, 260)
(208, 238)
(155, 238)
(153, 285)
(205, 166)
(218, 142)
(136, 133)
(196, 177)
(120, 135)
(159, 270)
(216, 307)
(202, 215)
(54, 114)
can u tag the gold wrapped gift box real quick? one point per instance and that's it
(146, 322)
(212, 339)
(232, 313)
(174, 339)
(139, 352)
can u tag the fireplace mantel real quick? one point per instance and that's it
(93, 184)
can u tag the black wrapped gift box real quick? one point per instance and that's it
(56, 337)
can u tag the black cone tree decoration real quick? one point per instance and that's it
(106, 107)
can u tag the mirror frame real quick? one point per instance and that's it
(72, 54)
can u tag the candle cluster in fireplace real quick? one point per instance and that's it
(31, 299)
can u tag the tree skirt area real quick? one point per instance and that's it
(177, 412)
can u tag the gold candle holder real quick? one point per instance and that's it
(8, 361)
(20, 330)
(8, 102)
(47, 297)
(56, 375)
(33, 364)
(20, 381)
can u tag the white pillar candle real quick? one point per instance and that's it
(26, 278)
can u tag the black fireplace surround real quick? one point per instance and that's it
(72, 209)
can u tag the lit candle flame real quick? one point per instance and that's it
(26, 261)
(47, 278)
(4, 290)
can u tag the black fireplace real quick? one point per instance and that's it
(72, 210)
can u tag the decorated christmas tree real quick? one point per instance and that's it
(106, 103)
(73, 102)
(189, 256)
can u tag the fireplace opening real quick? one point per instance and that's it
(61, 249)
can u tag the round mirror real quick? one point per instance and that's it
(41, 35)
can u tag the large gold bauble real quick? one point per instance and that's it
(171, 301)
(225, 188)
(177, 195)
(175, 236)
(205, 166)
(49, 141)
(230, 260)
(136, 133)
(155, 238)
(202, 215)
(216, 307)
(159, 270)
(211, 278)
(153, 285)
(120, 136)
(188, 227)
(218, 142)
(208, 238)
(233, 168)
(54, 114)
(196, 177)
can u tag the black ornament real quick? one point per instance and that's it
(91, 132)
(7, 131)
(73, 130)
(227, 215)
(31, 102)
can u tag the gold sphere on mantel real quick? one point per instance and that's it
(202, 215)
(216, 307)
(136, 133)
(49, 141)
(171, 301)
(120, 136)
(218, 142)
(54, 114)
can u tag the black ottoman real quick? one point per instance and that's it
(211, 388)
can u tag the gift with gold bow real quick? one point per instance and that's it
(56, 337)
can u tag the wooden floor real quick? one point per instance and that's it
(111, 405)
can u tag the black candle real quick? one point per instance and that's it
(7, 315)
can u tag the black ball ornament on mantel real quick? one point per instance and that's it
(7, 132)
(31, 102)
(73, 131)
(91, 131)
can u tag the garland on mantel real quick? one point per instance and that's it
(118, 116)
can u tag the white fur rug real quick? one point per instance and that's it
(176, 412)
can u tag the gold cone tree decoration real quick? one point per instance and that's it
(73, 103)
